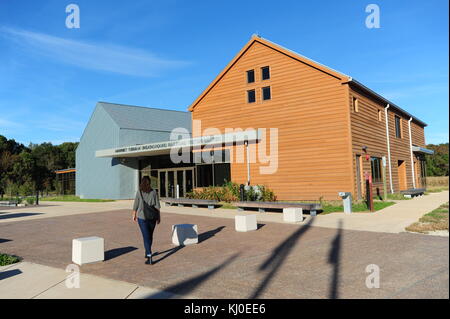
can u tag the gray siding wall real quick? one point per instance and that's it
(98, 177)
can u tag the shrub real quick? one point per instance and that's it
(30, 200)
(230, 193)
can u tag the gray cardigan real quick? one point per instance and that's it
(150, 198)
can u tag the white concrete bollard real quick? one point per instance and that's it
(184, 234)
(293, 214)
(88, 250)
(244, 223)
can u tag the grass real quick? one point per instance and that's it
(435, 220)
(6, 259)
(357, 207)
(72, 198)
(436, 189)
(227, 205)
(397, 196)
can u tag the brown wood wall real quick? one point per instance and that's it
(368, 131)
(309, 109)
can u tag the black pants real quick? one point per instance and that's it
(147, 227)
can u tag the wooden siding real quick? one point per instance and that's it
(368, 130)
(308, 107)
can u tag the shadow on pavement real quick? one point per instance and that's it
(211, 233)
(17, 215)
(4, 240)
(278, 256)
(116, 252)
(333, 259)
(189, 285)
(9, 273)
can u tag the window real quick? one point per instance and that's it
(379, 115)
(265, 73)
(375, 165)
(213, 174)
(355, 105)
(266, 93)
(251, 96)
(398, 127)
(250, 76)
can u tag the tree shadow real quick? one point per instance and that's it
(18, 215)
(333, 259)
(9, 273)
(191, 284)
(278, 256)
(116, 252)
(211, 233)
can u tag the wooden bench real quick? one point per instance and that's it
(263, 206)
(195, 203)
(413, 192)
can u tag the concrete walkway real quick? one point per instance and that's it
(392, 219)
(26, 280)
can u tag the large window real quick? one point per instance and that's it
(375, 165)
(265, 73)
(216, 174)
(250, 76)
(398, 127)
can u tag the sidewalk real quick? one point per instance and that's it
(392, 219)
(27, 280)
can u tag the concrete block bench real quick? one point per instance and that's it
(263, 206)
(184, 234)
(245, 223)
(195, 203)
(293, 214)
(88, 250)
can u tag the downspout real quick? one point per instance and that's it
(388, 147)
(248, 163)
(412, 156)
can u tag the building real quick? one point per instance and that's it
(113, 126)
(309, 133)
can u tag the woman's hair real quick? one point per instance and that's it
(145, 185)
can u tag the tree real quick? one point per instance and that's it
(437, 164)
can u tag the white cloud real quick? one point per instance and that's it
(102, 57)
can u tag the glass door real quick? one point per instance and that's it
(170, 184)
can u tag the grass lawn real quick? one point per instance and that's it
(357, 207)
(8, 259)
(72, 198)
(435, 220)
(436, 189)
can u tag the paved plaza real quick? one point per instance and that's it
(278, 260)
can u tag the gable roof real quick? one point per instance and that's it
(296, 56)
(146, 118)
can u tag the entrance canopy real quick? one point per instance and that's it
(418, 149)
(160, 148)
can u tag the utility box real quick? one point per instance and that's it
(347, 201)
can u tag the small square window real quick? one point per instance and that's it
(265, 73)
(379, 115)
(398, 127)
(251, 96)
(250, 76)
(266, 93)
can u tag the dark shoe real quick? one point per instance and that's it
(149, 261)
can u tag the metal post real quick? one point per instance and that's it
(383, 173)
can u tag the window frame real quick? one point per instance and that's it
(262, 72)
(355, 105)
(398, 128)
(254, 96)
(270, 93)
(377, 170)
(247, 76)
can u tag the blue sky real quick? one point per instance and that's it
(164, 53)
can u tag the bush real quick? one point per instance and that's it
(230, 193)
(30, 200)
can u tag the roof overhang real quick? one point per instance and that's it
(165, 147)
(418, 149)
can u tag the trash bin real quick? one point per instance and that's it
(347, 201)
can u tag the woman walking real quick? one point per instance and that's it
(146, 213)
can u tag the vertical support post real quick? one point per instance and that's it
(412, 157)
(388, 147)
(248, 162)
